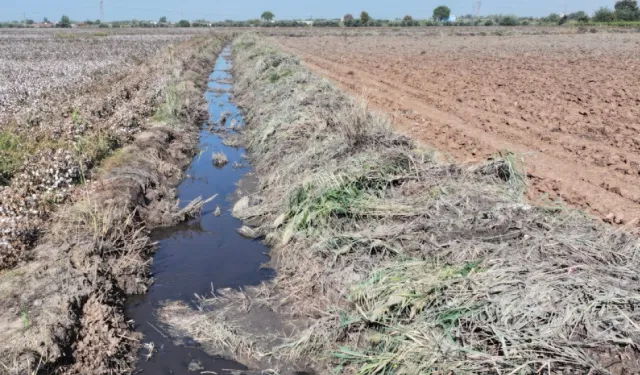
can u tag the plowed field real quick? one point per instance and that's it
(569, 104)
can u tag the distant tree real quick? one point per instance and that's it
(407, 18)
(627, 10)
(552, 18)
(347, 17)
(364, 17)
(45, 20)
(30, 22)
(508, 21)
(88, 22)
(163, 19)
(267, 16)
(626, 5)
(604, 14)
(580, 16)
(488, 23)
(200, 23)
(97, 22)
(184, 23)
(64, 22)
(441, 13)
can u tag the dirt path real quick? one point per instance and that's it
(568, 105)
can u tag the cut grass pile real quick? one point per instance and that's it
(405, 265)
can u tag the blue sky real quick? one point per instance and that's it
(283, 9)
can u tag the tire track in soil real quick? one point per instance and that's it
(554, 168)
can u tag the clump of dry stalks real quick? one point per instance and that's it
(219, 159)
(410, 266)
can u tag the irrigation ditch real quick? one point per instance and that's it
(198, 258)
(391, 261)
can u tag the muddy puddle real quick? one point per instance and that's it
(205, 254)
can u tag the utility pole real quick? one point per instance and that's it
(101, 11)
(478, 5)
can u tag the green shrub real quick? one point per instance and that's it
(284, 24)
(359, 23)
(604, 14)
(627, 15)
(552, 18)
(508, 21)
(488, 23)
(184, 23)
(408, 21)
(326, 23)
(579, 16)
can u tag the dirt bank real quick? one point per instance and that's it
(567, 103)
(401, 264)
(61, 312)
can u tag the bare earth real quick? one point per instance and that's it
(569, 104)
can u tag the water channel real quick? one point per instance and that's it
(194, 257)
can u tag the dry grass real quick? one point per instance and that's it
(236, 325)
(212, 330)
(413, 266)
(219, 159)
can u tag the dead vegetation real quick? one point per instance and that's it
(235, 325)
(98, 249)
(219, 159)
(405, 265)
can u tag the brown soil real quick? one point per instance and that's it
(62, 311)
(569, 104)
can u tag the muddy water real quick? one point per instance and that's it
(205, 254)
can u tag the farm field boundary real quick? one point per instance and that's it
(61, 308)
(401, 264)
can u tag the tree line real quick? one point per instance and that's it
(624, 10)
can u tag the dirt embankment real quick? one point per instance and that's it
(398, 263)
(568, 104)
(62, 311)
